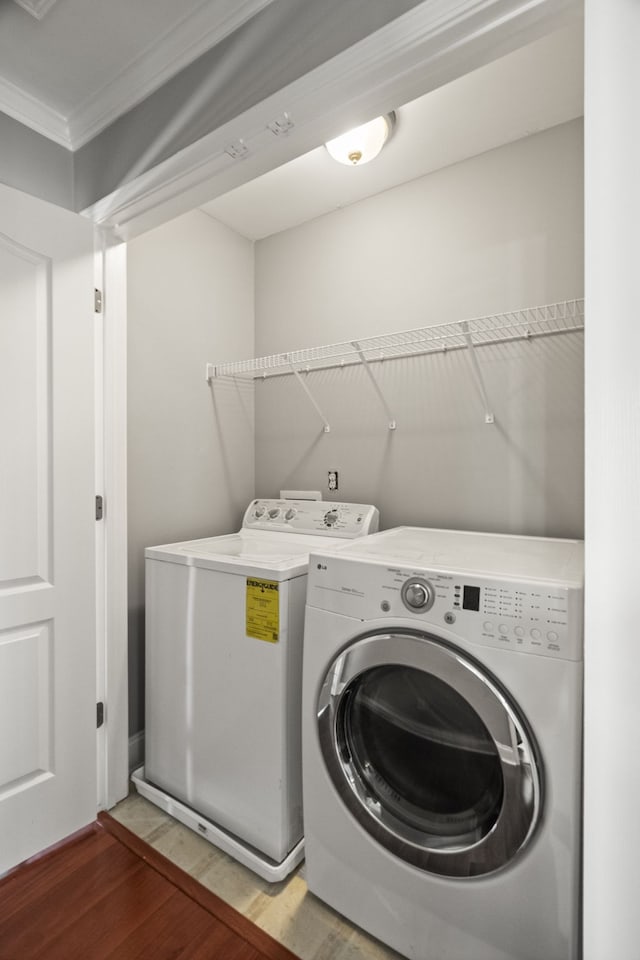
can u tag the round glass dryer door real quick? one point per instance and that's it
(429, 754)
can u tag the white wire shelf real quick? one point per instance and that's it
(564, 317)
(551, 319)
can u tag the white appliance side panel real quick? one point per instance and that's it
(166, 628)
(292, 807)
(217, 704)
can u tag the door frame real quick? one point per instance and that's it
(110, 265)
(428, 46)
(611, 69)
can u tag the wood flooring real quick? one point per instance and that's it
(107, 895)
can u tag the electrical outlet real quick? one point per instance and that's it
(332, 480)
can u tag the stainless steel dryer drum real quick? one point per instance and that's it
(442, 698)
(392, 698)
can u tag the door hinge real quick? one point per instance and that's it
(99, 507)
(99, 714)
(97, 300)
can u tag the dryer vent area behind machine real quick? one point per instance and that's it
(224, 631)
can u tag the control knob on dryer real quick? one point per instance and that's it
(417, 595)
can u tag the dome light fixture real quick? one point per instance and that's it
(363, 143)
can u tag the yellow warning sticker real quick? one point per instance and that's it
(263, 610)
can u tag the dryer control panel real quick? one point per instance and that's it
(312, 517)
(541, 617)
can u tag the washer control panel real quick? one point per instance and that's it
(342, 520)
(538, 617)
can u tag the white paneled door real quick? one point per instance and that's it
(47, 526)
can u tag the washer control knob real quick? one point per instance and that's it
(258, 512)
(290, 514)
(331, 517)
(274, 512)
(418, 595)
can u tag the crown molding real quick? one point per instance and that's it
(37, 8)
(174, 51)
(34, 114)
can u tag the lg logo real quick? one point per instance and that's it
(322, 566)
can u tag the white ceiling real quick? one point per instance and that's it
(70, 67)
(536, 87)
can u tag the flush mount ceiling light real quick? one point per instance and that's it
(363, 143)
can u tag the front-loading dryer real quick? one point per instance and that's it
(442, 715)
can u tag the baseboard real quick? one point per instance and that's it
(136, 751)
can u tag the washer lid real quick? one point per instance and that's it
(276, 538)
(256, 553)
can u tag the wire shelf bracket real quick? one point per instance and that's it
(566, 316)
(477, 372)
(390, 419)
(326, 428)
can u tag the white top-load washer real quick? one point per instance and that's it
(224, 624)
(442, 719)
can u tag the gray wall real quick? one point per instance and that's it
(190, 447)
(35, 164)
(500, 231)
